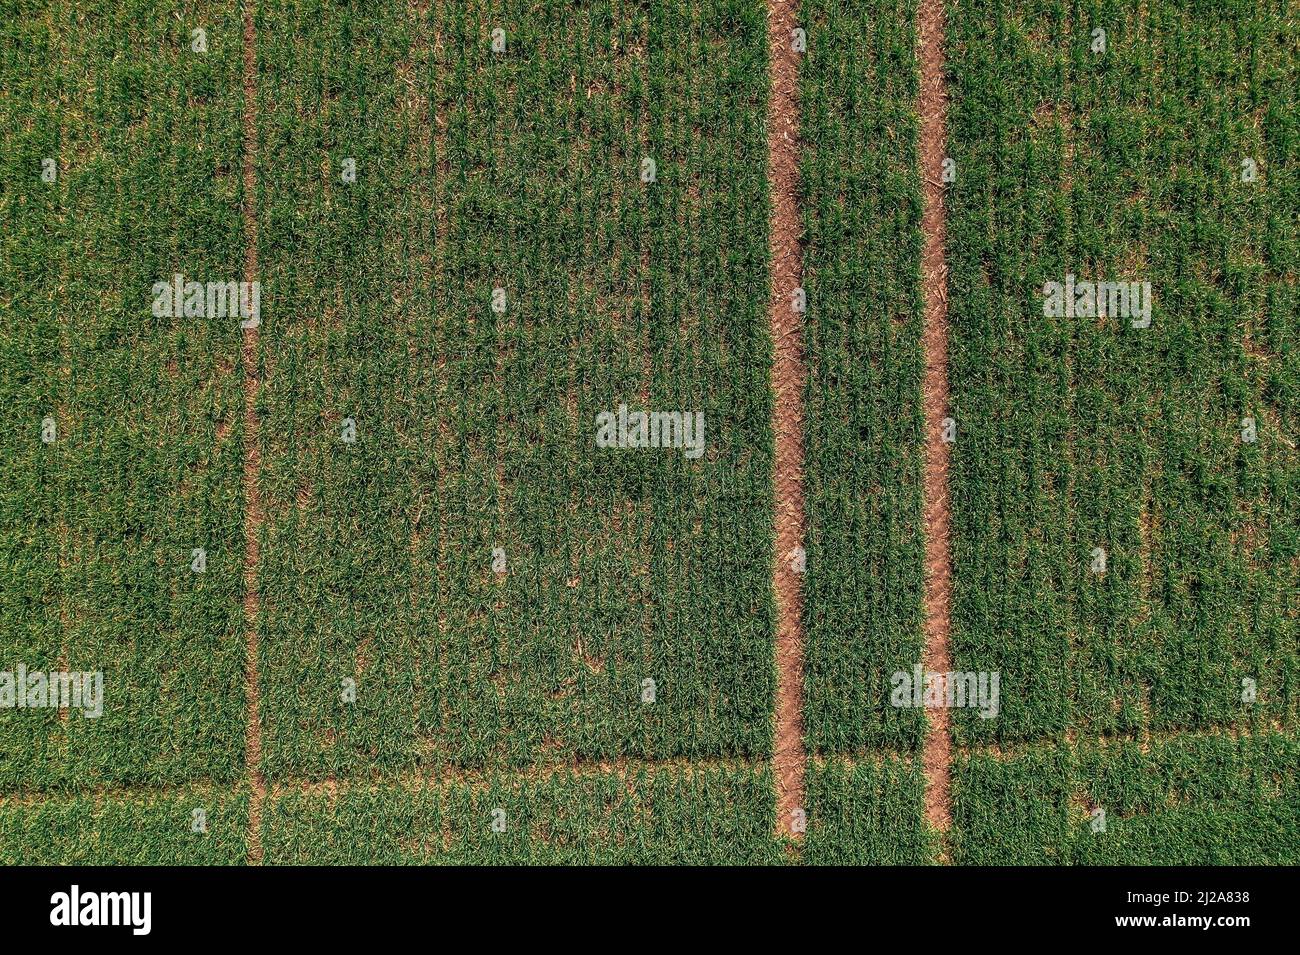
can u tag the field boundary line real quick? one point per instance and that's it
(252, 456)
(441, 776)
(937, 514)
(483, 778)
(788, 378)
(875, 758)
(441, 440)
(121, 793)
(480, 777)
(1143, 738)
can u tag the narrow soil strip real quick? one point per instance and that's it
(938, 503)
(1144, 738)
(788, 376)
(252, 456)
(449, 775)
(417, 101)
(442, 440)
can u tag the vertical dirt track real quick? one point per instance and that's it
(938, 503)
(252, 456)
(788, 377)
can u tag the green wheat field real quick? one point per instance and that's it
(480, 637)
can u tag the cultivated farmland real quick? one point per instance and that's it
(1092, 434)
(366, 583)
